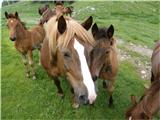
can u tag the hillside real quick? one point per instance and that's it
(136, 28)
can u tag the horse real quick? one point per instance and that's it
(149, 102)
(46, 13)
(61, 10)
(68, 10)
(155, 62)
(41, 10)
(65, 51)
(25, 40)
(147, 106)
(104, 61)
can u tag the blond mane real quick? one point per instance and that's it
(74, 29)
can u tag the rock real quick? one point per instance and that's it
(92, 8)
(143, 72)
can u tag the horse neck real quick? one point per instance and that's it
(21, 32)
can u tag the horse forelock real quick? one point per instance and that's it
(73, 29)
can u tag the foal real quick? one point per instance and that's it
(104, 61)
(25, 40)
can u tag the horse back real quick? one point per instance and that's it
(37, 34)
(155, 60)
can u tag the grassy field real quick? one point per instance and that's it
(23, 98)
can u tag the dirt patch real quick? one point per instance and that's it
(143, 66)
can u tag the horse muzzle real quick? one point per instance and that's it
(83, 99)
(12, 38)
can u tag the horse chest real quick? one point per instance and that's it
(107, 69)
(21, 47)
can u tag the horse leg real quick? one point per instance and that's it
(58, 85)
(110, 90)
(39, 49)
(152, 76)
(30, 58)
(25, 62)
(105, 83)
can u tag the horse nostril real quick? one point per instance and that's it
(95, 78)
(83, 99)
(13, 39)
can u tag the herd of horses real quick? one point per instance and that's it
(67, 48)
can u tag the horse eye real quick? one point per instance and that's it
(66, 54)
(107, 52)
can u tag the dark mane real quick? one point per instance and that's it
(154, 87)
(13, 16)
(101, 33)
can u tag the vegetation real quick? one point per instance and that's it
(23, 98)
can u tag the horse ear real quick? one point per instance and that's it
(146, 116)
(16, 14)
(110, 31)
(6, 15)
(39, 11)
(133, 99)
(87, 23)
(94, 29)
(62, 25)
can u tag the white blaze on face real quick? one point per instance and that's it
(87, 79)
(130, 118)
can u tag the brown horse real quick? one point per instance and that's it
(41, 10)
(155, 60)
(61, 10)
(104, 61)
(148, 105)
(68, 10)
(46, 13)
(25, 40)
(65, 51)
(149, 102)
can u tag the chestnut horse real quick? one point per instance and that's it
(41, 10)
(104, 61)
(46, 13)
(148, 105)
(25, 40)
(68, 10)
(149, 102)
(65, 51)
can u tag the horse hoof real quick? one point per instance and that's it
(34, 77)
(61, 95)
(111, 105)
(75, 105)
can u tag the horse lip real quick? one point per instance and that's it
(12, 39)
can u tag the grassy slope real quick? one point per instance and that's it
(23, 98)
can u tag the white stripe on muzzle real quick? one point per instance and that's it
(87, 79)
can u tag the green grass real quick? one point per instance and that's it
(23, 98)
